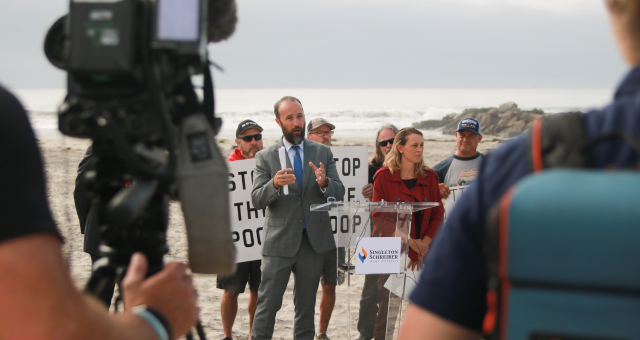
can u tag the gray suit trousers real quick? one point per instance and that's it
(306, 266)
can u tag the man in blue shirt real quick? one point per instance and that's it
(449, 302)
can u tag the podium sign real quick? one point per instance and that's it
(383, 232)
(378, 255)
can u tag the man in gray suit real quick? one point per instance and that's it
(296, 239)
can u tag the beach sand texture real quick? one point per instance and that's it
(61, 157)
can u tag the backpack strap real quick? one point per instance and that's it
(559, 141)
(555, 141)
(496, 252)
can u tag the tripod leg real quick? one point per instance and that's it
(106, 293)
(102, 283)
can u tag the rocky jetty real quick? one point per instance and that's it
(504, 121)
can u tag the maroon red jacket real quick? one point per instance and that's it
(391, 188)
(235, 156)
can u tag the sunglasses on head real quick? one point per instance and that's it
(249, 138)
(383, 143)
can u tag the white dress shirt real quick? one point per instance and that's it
(291, 152)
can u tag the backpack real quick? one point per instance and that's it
(565, 264)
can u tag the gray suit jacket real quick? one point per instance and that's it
(285, 213)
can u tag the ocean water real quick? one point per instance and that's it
(355, 112)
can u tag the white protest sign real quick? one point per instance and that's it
(247, 223)
(450, 202)
(378, 255)
(353, 169)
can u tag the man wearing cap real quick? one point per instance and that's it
(249, 141)
(461, 168)
(321, 131)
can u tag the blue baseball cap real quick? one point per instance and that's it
(470, 124)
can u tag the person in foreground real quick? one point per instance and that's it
(461, 168)
(249, 141)
(321, 131)
(405, 178)
(449, 301)
(39, 300)
(296, 239)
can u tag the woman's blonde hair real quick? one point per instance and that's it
(394, 157)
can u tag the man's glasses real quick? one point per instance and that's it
(322, 133)
(383, 143)
(249, 138)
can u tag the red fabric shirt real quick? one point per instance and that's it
(235, 156)
(391, 188)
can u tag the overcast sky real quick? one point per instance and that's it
(372, 44)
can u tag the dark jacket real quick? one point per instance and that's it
(391, 188)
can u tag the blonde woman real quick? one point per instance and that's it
(405, 177)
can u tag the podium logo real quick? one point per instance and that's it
(362, 255)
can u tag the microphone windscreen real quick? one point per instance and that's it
(221, 19)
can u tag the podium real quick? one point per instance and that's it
(374, 301)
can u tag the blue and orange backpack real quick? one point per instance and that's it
(562, 246)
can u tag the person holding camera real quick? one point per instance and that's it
(39, 300)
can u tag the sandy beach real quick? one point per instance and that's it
(61, 157)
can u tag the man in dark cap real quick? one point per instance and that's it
(248, 140)
(461, 168)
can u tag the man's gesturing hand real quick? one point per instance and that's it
(321, 176)
(169, 291)
(283, 177)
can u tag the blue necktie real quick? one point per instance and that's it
(297, 166)
(297, 170)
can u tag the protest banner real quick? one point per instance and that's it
(247, 223)
(353, 169)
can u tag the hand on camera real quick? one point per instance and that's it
(284, 177)
(169, 291)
